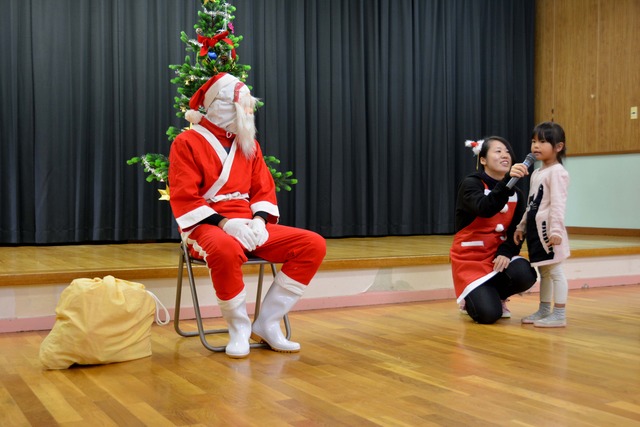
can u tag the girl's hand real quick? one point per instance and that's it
(500, 263)
(518, 237)
(555, 240)
(519, 170)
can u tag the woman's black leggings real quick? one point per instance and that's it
(484, 303)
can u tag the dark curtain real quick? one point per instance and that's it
(85, 86)
(369, 102)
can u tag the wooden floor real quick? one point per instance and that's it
(33, 265)
(414, 364)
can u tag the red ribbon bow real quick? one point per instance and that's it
(210, 42)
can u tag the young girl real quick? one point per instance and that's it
(543, 223)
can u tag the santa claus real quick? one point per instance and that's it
(224, 200)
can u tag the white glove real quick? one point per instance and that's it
(239, 228)
(260, 230)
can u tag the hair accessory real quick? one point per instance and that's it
(476, 146)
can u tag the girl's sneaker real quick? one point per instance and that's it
(551, 321)
(532, 318)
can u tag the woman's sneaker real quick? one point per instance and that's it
(463, 307)
(506, 313)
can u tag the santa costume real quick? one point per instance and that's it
(222, 194)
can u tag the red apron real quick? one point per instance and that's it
(474, 249)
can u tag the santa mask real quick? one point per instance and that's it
(228, 104)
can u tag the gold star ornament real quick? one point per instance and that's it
(164, 194)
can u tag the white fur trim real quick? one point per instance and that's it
(194, 216)
(289, 284)
(267, 207)
(193, 116)
(233, 303)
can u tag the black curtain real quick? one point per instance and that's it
(369, 102)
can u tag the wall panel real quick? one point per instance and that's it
(587, 72)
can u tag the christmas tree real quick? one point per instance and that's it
(213, 51)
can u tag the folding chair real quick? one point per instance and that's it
(185, 258)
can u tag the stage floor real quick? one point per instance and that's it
(24, 265)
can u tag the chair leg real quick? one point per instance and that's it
(201, 332)
(256, 310)
(176, 314)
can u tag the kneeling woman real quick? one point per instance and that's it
(485, 261)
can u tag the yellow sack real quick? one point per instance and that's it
(100, 321)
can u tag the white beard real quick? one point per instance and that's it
(245, 132)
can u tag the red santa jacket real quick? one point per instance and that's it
(205, 179)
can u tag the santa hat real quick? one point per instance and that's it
(208, 92)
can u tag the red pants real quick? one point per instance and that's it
(299, 251)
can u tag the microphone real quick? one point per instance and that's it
(528, 161)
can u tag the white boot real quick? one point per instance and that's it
(281, 297)
(234, 312)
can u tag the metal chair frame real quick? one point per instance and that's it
(186, 259)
